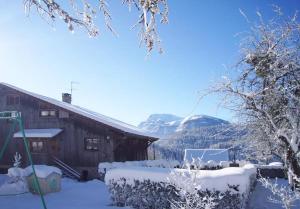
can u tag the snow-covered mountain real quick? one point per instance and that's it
(197, 121)
(161, 125)
(165, 125)
(194, 132)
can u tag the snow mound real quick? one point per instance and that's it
(276, 164)
(273, 165)
(13, 188)
(14, 182)
(42, 171)
(16, 172)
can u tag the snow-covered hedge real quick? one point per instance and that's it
(106, 166)
(158, 187)
(195, 164)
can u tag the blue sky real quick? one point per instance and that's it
(115, 77)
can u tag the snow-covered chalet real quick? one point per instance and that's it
(68, 136)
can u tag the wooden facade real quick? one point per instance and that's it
(82, 143)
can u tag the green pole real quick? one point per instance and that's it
(31, 162)
(12, 129)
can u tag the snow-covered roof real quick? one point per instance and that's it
(39, 133)
(206, 155)
(42, 171)
(87, 113)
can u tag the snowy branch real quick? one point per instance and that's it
(83, 14)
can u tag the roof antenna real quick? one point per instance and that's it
(72, 87)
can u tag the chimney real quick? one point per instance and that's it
(66, 97)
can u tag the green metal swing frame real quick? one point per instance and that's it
(16, 119)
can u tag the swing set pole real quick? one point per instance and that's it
(16, 117)
(36, 181)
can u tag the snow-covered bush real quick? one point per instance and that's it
(15, 182)
(193, 200)
(283, 195)
(142, 194)
(17, 160)
(190, 193)
(161, 187)
(272, 170)
(16, 174)
(273, 165)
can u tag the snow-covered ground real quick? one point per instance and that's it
(94, 195)
(259, 197)
(74, 195)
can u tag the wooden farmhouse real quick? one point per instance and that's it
(67, 136)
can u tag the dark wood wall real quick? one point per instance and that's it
(114, 145)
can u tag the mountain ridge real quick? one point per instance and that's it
(194, 132)
(165, 125)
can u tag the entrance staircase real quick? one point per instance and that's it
(66, 169)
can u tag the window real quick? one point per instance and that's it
(13, 100)
(37, 146)
(91, 144)
(48, 113)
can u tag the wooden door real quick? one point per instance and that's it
(39, 150)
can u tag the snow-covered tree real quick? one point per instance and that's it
(83, 14)
(265, 89)
(282, 195)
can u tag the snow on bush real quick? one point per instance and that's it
(224, 164)
(159, 187)
(16, 172)
(273, 165)
(14, 182)
(272, 170)
(104, 167)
